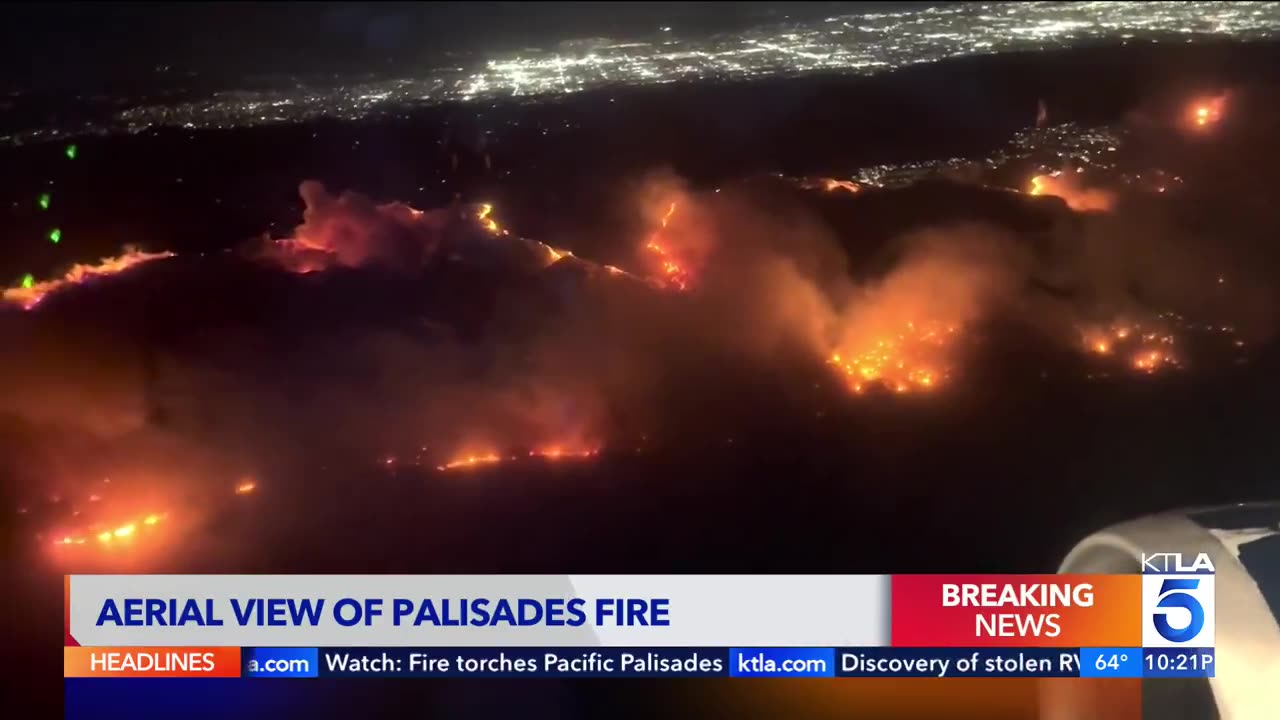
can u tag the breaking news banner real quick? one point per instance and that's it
(631, 626)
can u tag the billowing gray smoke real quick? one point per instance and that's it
(349, 230)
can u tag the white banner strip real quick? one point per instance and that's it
(480, 610)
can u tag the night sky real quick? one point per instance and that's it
(106, 46)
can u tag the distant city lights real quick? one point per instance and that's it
(858, 43)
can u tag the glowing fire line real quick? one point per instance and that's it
(111, 534)
(674, 273)
(484, 215)
(481, 460)
(27, 297)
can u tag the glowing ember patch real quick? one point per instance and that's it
(912, 360)
(1206, 112)
(1146, 350)
(245, 487)
(1151, 361)
(28, 295)
(125, 530)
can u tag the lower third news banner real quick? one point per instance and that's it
(615, 626)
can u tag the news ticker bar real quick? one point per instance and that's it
(654, 662)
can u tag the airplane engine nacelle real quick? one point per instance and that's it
(1243, 542)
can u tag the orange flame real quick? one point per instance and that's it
(28, 297)
(127, 532)
(558, 453)
(910, 361)
(1146, 352)
(666, 218)
(471, 461)
(555, 254)
(112, 533)
(550, 452)
(674, 273)
(831, 185)
(1077, 197)
(1150, 361)
(484, 214)
(1205, 112)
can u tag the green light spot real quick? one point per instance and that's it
(28, 281)
(71, 152)
(55, 236)
(44, 200)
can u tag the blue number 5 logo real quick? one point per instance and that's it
(1173, 595)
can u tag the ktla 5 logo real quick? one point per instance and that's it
(1178, 610)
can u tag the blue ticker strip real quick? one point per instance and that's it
(280, 663)
(524, 662)
(1111, 662)
(958, 662)
(1178, 663)
(782, 662)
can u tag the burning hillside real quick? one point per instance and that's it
(30, 292)
(671, 270)
(520, 361)
(1071, 189)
